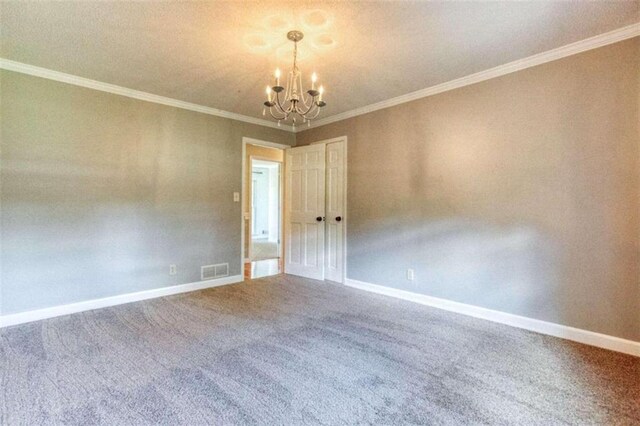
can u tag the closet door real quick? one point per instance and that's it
(305, 201)
(334, 259)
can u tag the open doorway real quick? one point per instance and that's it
(263, 209)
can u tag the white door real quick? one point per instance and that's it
(334, 211)
(305, 201)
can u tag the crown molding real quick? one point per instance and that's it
(49, 74)
(590, 43)
(594, 42)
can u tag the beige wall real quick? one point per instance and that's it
(519, 194)
(101, 193)
(264, 153)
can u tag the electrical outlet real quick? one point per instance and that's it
(236, 197)
(172, 269)
(410, 274)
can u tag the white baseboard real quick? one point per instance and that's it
(56, 311)
(565, 332)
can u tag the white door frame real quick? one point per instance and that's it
(251, 141)
(344, 195)
(280, 200)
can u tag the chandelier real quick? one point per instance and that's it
(297, 104)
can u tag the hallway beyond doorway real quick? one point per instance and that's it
(263, 209)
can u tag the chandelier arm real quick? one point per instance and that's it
(302, 101)
(284, 117)
(291, 108)
(304, 97)
(316, 113)
(310, 108)
(277, 109)
(280, 105)
(305, 101)
(277, 102)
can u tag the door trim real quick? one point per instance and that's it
(344, 200)
(251, 141)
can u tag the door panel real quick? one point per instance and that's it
(335, 211)
(305, 194)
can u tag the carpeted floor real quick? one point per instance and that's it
(285, 350)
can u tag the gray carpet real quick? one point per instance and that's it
(285, 350)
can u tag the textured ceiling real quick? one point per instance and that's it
(221, 54)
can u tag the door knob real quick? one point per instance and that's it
(319, 218)
(338, 219)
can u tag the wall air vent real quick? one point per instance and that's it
(210, 272)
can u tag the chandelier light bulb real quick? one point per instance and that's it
(314, 78)
(268, 93)
(277, 76)
(321, 91)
